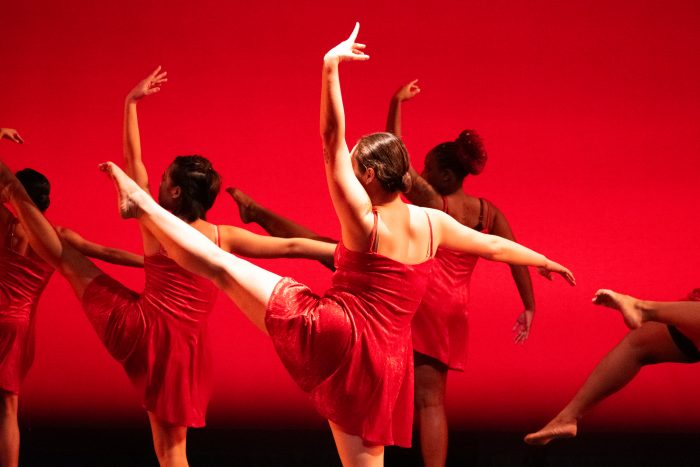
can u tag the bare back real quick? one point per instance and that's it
(403, 233)
(468, 210)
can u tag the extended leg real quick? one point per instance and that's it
(43, 238)
(169, 441)
(636, 311)
(273, 223)
(649, 344)
(9, 430)
(430, 388)
(249, 286)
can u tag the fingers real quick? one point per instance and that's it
(600, 296)
(355, 32)
(156, 71)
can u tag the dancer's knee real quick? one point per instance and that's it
(428, 396)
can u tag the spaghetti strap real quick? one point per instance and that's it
(430, 245)
(374, 237)
(217, 236)
(480, 225)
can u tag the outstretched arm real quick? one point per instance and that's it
(522, 279)
(421, 192)
(11, 134)
(350, 200)
(245, 243)
(455, 236)
(101, 252)
(132, 139)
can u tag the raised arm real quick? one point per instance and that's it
(421, 192)
(455, 236)
(521, 277)
(406, 92)
(132, 140)
(97, 251)
(350, 200)
(11, 134)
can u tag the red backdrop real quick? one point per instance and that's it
(589, 111)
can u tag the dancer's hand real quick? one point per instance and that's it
(407, 91)
(522, 325)
(150, 85)
(347, 50)
(551, 267)
(11, 134)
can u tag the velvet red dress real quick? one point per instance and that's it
(441, 325)
(351, 348)
(160, 336)
(22, 280)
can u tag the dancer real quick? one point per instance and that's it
(661, 332)
(189, 188)
(351, 348)
(23, 277)
(440, 327)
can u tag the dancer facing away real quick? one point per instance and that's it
(440, 325)
(661, 332)
(23, 276)
(351, 348)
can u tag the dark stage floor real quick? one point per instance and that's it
(94, 446)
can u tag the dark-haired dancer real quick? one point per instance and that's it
(23, 277)
(661, 332)
(351, 348)
(440, 327)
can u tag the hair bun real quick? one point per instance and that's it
(470, 152)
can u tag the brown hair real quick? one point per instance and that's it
(387, 155)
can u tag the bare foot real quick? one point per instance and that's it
(625, 304)
(246, 205)
(556, 429)
(8, 183)
(127, 190)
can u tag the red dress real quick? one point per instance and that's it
(22, 280)
(440, 327)
(351, 348)
(159, 336)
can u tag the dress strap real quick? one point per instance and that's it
(430, 245)
(374, 237)
(217, 236)
(444, 204)
(480, 225)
